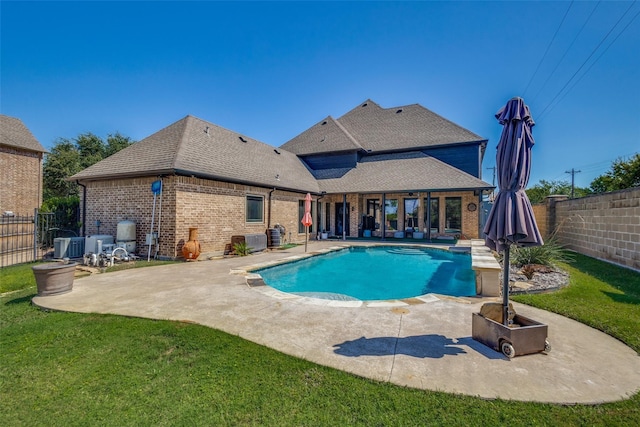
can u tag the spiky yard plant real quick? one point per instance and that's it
(548, 254)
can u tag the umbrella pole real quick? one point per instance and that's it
(306, 237)
(505, 288)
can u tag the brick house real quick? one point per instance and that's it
(20, 168)
(384, 165)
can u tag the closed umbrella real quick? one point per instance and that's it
(511, 220)
(306, 219)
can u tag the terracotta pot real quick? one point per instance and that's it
(191, 249)
(54, 277)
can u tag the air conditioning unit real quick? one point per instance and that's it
(68, 247)
(61, 247)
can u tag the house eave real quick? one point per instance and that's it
(424, 190)
(183, 172)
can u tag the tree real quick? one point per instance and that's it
(91, 149)
(623, 174)
(544, 188)
(70, 156)
(116, 143)
(62, 162)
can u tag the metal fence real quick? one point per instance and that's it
(29, 238)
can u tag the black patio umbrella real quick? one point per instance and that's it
(511, 220)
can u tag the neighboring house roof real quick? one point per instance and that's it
(376, 129)
(14, 133)
(412, 171)
(192, 146)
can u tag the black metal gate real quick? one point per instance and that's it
(30, 238)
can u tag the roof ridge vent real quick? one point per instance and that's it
(276, 151)
(242, 139)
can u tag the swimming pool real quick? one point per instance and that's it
(375, 273)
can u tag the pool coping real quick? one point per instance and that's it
(256, 282)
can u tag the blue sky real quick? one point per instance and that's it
(270, 70)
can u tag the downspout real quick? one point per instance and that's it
(84, 207)
(269, 212)
(159, 219)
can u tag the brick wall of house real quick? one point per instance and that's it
(218, 210)
(130, 199)
(21, 178)
(215, 208)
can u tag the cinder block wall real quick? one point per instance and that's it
(540, 214)
(21, 180)
(605, 226)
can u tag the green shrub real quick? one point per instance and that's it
(548, 254)
(241, 249)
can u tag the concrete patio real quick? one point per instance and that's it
(421, 342)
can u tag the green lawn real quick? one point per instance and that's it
(77, 369)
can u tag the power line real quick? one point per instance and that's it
(547, 50)
(566, 51)
(586, 60)
(596, 60)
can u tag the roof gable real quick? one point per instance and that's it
(402, 128)
(327, 135)
(14, 133)
(374, 129)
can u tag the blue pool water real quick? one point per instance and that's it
(375, 273)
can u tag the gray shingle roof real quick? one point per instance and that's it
(325, 136)
(411, 171)
(377, 129)
(192, 146)
(14, 133)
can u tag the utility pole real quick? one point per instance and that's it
(573, 173)
(493, 182)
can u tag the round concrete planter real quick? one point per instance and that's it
(54, 278)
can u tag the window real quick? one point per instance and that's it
(327, 217)
(453, 214)
(434, 211)
(301, 214)
(411, 215)
(391, 214)
(255, 209)
(318, 216)
(373, 214)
